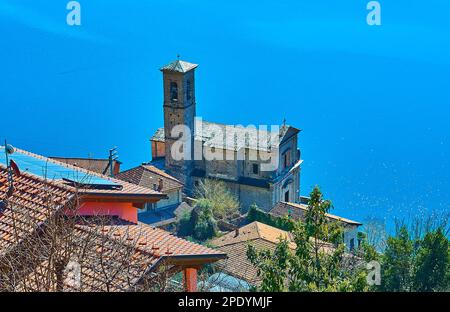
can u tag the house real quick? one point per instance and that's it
(36, 192)
(297, 212)
(235, 245)
(259, 166)
(97, 165)
(166, 211)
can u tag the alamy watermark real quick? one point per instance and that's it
(74, 15)
(73, 274)
(374, 273)
(227, 143)
(374, 16)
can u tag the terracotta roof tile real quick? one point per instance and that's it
(140, 246)
(254, 231)
(27, 207)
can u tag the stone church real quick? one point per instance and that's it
(241, 155)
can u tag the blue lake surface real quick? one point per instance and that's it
(373, 102)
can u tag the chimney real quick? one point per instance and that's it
(160, 185)
(3, 206)
(236, 232)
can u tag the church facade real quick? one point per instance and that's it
(259, 165)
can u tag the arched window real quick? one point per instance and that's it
(173, 91)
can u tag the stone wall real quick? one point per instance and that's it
(174, 199)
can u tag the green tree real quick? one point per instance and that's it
(318, 262)
(416, 260)
(273, 266)
(225, 205)
(433, 263)
(200, 224)
(397, 262)
(185, 227)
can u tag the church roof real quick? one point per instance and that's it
(235, 138)
(179, 66)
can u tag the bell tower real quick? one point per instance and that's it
(179, 114)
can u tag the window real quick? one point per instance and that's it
(286, 159)
(173, 91)
(188, 90)
(255, 169)
(286, 196)
(352, 244)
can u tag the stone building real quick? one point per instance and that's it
(166, 211)
(297, 212)
(259, 165)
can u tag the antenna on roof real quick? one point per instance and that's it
(9, 150)
(113, 156)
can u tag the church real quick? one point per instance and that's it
(259, 165)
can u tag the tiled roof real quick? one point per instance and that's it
(259, 235)
(179, 66)
(297, 211)
(28, 206)
(100, 166)
(126, 189)
(139, 248)
(253, 231)
(219, 136)
(34, 200)
(237, 263)
(147, 176)
(158, 135)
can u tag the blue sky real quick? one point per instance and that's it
(373, 102)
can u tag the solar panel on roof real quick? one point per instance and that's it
(52, 171)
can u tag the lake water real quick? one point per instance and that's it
(372, 101)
